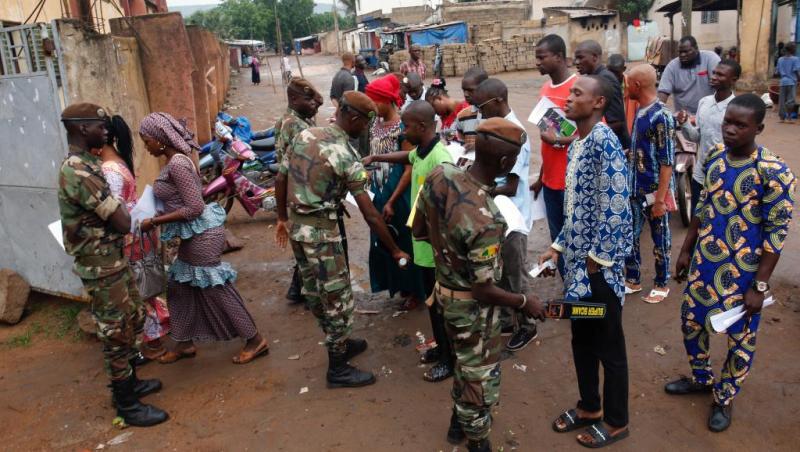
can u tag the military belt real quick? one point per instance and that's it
(450, 293)
(313, 220)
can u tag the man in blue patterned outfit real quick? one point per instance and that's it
(734, 241)
(652, 157)
(594, 241)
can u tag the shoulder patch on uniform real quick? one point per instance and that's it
(489, 253)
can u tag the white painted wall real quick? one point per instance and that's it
(708, 35)
(387, 5)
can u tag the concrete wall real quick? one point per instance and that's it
(19, 10)
(167, 62)
(708, 35)
(785, 27)
(755, 55)
(105, 70)
(498, 10)
(202, 110)
(409, 15)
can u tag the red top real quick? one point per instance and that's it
(447, 122)
(554, 160)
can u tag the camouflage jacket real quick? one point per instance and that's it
(289, 126)
(82, 193)
(464, 227)
(321, 169)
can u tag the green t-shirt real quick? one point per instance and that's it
(423, 253)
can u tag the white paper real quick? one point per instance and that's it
(144, 209)
(720, 322)
(55, 229)
(538, 210)
(352, 200)
(514, 219)
(538, 269)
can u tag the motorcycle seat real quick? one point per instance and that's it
(264, 144)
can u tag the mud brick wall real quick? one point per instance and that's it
(500, 10)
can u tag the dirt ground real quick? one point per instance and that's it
(53, 394)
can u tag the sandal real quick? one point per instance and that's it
(245, 357)
(601, 437)
(409, 304)
(631, 288)
(572, 422)
(437, 373)
(170, 357)
(657, 295)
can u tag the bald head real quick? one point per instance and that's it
(642, 80)
(588, 55)
(590, 46)
(412, 80)
(420, 111)
(492, 87)
(491, 98)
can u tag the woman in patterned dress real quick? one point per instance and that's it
(117, 166)
(204, 304)
(390, 184)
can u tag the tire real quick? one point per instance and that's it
(683, 197)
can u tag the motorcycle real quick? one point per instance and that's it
(244, 177)
(685, 153)
(211, 153)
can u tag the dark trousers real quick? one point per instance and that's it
(596, 341)
(554, 207)
(437, 318)
(696, 188)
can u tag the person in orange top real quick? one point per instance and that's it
(616, 64)
(551, 59)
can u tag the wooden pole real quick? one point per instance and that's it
(299, 67)
(336, 29)
(686, 12)
(271, 77)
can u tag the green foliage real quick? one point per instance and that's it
(255, 19)
(630, 9)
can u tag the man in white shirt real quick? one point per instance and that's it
(707, 130)
(491, 99)
(414, 89)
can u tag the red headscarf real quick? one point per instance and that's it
(386, 90)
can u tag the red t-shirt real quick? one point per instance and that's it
(447, 123)
(554, 160)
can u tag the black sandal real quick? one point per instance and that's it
(572, 422)
(437, 373)
(601, 437)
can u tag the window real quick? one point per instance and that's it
(709, 17)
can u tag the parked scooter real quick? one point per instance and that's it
(212, 153)
(244, 177)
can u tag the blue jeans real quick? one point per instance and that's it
(554, 206)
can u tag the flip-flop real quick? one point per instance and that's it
(630, 290)
(437, 373)
(572, 421)
(170, 357)
(656, 295)
(245, 357)
(601, 437)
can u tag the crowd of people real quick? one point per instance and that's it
(437, 234)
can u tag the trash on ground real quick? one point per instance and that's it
(660, 350)
(398, 313)
(119, 423)
(294, 357)
(304, 390)
(367, 311)
(121, 438)
(385, 371)
(520, 367)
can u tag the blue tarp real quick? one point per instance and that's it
(450, 34)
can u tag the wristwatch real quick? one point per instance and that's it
(760, 286)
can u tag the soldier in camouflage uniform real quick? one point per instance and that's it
(321, 169)
(94, 224)
(304, 101)
(456, 214)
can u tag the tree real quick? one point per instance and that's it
(351, 7)
(631, 9)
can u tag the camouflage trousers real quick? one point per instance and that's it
(474, 331)
(326, 288)
(119, 315)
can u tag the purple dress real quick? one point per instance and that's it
(203, 302)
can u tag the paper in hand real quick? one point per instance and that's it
(514, 219)
(538, 209)
(547, 115)
(55, 229)
(144, 209)
(722, 321)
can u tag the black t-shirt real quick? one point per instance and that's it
(616, 107)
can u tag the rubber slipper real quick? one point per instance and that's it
(656, 296)
(245, 357)
(601, 437)
(632, 290)
(572, 422)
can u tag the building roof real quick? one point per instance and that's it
(674, 7)
(244, 42)
(305, 38)
(580, 12)
(420, 27)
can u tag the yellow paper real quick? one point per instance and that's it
(410, 221)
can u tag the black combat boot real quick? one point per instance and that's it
(479, 446)
(131, 409)
(455, 433)
(355, 347)
(144, 387)
(343, 375)
(294, 294)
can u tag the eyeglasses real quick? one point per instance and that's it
(487, 102)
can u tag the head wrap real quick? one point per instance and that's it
(385, 90)
(168, 131)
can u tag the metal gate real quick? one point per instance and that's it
(31, 152)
